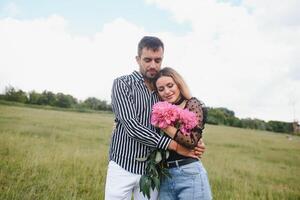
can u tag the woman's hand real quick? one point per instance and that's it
(200, 148)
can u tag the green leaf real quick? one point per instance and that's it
(167, 154)
(142, 159)
(155, 171)
(165, 173)
(156, 182)
(145, 184)
(158, 157)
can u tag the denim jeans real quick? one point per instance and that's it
(188, 182)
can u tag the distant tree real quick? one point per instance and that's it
(227, 112)
(278, 126)
(109, 107)
(12, 94)
(220, 116)
(217, 116)
(212, 120)
(234, 121)
(92, 103)
(237, 122)
(260, 124)
(247, 123)
(96, 104)
(65, 101)
(213, 117)
(34, 97)
(47, 98)
(103, 105)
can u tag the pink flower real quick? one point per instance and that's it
(187, 121)
(165, 114)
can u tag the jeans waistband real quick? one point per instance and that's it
(178, 163)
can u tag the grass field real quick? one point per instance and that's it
(50, 154)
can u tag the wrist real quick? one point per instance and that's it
(170, 131)
(173, 145)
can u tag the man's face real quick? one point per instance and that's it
(150, 62)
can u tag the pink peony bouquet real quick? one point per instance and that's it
(165, 114)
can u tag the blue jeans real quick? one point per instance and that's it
(188, 182)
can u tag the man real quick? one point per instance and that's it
(134, 136)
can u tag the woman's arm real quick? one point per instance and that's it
(190, 140)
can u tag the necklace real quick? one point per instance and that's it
(179, 101)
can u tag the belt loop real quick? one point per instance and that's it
(177, 164)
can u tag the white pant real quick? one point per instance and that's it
(121, 184)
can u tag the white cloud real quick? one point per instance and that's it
(11, 9)
(41, 54)
(239, 57)
(275, 13)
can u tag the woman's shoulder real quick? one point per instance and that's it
(198, 107)
(195, 101)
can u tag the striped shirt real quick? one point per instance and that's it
(134, 136)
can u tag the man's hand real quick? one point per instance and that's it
(174, 146)
(186, 152)
(199, 149)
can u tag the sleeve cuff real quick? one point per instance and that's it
(164, 142)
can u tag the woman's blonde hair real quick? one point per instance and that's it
(170, 72)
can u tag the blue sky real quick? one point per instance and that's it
(242, 55)
(87, 17)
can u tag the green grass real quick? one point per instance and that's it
(50, 154)
(47, 107)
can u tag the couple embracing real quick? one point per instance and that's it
(134, 136)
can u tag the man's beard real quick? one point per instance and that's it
(150, 78)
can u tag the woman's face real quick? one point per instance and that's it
(167, 89)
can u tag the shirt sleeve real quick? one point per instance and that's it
(125, 111)
(191, 140)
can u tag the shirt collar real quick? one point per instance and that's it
(138, 76)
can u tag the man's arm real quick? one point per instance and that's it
(198, 150)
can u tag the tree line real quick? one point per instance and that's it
(224, 116)
(53, 99)
(216, 116)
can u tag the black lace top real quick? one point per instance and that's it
(190, 141)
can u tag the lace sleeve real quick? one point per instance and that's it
(190, 141)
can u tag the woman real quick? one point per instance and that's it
(188, 176)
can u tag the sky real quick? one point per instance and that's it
(238, 54)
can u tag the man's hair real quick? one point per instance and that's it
(150, 42)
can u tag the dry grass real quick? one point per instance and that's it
(48, 154)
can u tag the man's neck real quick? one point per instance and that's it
(149, 84)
